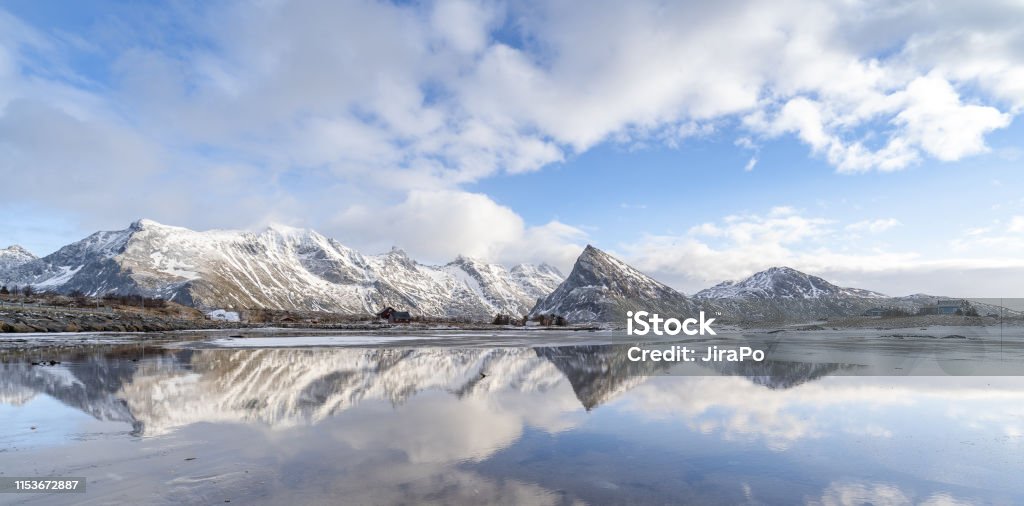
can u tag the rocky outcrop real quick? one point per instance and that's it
(39, 320)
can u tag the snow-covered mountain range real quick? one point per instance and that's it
(279, 268)
(296, 269)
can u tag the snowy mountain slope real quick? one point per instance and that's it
(602, 288)
(782, 282)
(503, 288)
(14, 256)
(785, 294)
(279, 268)
(540, 279)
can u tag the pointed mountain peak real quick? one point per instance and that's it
(595, 263)
(469, 264)
(399, 256)
(148, 224)
(141, 224)
(603, 288)
(287, 230)
(591, 254)
(466, 260)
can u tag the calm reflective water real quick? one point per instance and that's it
(516, 425)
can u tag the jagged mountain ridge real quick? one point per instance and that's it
(280, 268)
(602, 288)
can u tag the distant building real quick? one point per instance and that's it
(948, 306)
(400, 317)
(874, 312)
(393, 315)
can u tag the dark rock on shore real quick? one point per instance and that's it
(39, 320)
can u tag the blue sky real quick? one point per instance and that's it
(878, 145)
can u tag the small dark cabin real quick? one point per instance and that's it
(400, 317)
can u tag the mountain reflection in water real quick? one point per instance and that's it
(551, 425)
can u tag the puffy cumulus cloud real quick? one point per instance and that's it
(935, 120)
(737, 246)
(438, 225)
(484, 86)
(382, 100)
(927, 116)
(843, 77)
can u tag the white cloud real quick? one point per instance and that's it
(739, 245)
(935, 119)
(874, 226)
(781, 225)
(438, 225)
(463, 24)
(928, 116)
(1003, 239)
(385, 103)
(750, 164)
(1016, 225)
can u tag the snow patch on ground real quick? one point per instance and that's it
(224, 316)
